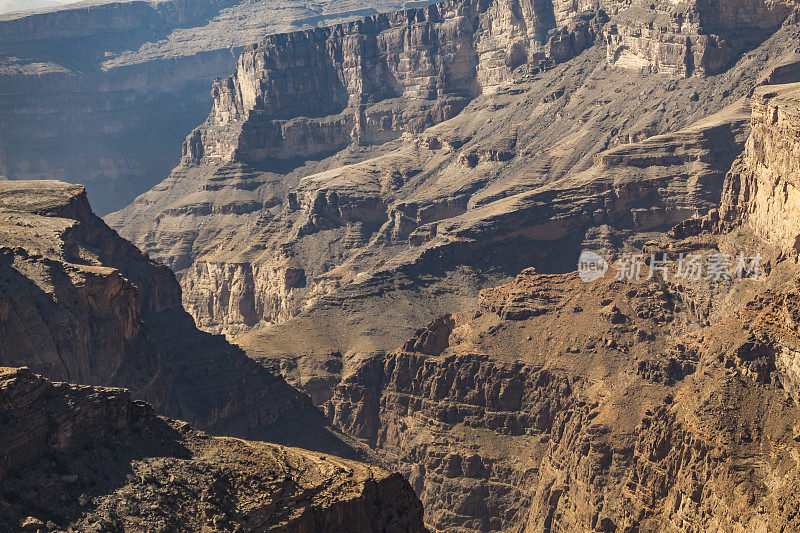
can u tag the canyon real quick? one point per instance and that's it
(366, 258)
(447, 149)
(79, 303)
(553, 406)
(82, 305)
(418, 157)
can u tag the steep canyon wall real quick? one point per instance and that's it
(80, 304)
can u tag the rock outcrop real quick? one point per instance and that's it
(762, 189)
(682, 39)
(761, 197)
(80, 304)
(84, 458)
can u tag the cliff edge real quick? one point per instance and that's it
(89, 458)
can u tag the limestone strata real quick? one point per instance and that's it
(103, 94)
(318, 266)
(432, 417)
(693, 38)
(237, 296)
(68, 80)
(469, 427)
(79, 303)
(74, 457)
(762, 188)
(516, 164)
(546, 156)
(441, 55)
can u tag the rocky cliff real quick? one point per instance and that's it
(88, 458)
(692, 38)
(102, 93)
(79, 303)
(561, 405)
(761, 189)
(264, 225)
(437, 58)
(663, 403)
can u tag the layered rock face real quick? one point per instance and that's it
(469, 407)
(761, 197)
(558, 405)
(762, 189)
(441, 56)
(690, 38)
(533, 164)
(79, 303)
(444, 54)
(103, 93)
(87, 458)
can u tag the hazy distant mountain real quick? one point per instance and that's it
(111, 102)
(11, 6)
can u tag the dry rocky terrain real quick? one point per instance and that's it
(445, 165)
(425, 159)
(78, 458)
(352, 183)
(664, 404)
(80, 304)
